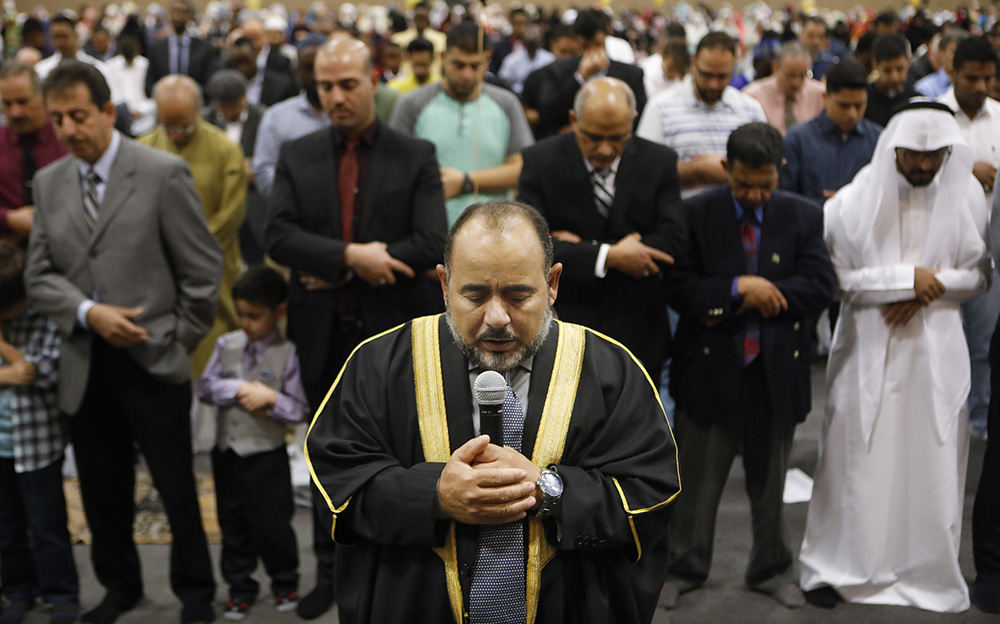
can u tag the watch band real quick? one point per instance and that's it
(468, 186)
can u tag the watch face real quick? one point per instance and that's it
(551, 484)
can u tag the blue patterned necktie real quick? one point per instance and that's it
(496, 595)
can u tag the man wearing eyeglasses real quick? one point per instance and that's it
(907, 239)
(219, 178)
(695, 118)
(756, 272)
(613, 203)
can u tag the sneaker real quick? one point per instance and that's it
(286, 602)
(236, 611)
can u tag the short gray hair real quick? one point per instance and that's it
(793, 50)
(12, 69)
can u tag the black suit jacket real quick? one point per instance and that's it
(248, 138)
(403, 206)
(277, 86)
(558, 86)
(707, 351)
(202, 61)
(555, 180)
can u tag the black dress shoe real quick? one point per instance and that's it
(197, 613)
(985, 596)
(824, 597)
(316, 603)
(110, 609)
(15, 611)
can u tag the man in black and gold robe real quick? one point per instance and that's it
(411, 492)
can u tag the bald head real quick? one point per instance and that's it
(178, 107)
(346, 83)
(342, 47)
(177, 87)
(603, 96)
(253, 29)
(602, 120)
(28, 55)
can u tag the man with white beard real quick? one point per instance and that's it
(907, 238)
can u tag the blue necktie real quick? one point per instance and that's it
(496, 595)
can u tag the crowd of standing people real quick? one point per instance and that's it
(215, 222)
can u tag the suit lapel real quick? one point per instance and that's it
(625, 180)
(74, 201)
(381, 159)
(578, 179)
(117, 190)
(732, 257)
(770, 233)
(323, 169)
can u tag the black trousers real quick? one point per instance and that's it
(253, 496)
(986, 509)
(125, 407)
(317, 384)
(706, 454)
(36, 558)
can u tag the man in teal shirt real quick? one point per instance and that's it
(479, 129)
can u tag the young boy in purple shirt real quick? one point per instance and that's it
(253, 378)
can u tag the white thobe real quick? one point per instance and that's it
(885, 521)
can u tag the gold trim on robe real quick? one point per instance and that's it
(552, 430)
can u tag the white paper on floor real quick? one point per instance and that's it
(798, 486)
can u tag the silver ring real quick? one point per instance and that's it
(645, 273)
(381, 282)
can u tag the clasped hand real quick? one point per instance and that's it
(483, 483)
(373, 263)
(762, 295)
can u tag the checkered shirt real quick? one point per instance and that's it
(39, 429)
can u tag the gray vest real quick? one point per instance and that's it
(238, 429)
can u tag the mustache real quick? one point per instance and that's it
(499, 333)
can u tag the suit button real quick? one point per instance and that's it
(795, 354)
(706, 351)
(795, 326)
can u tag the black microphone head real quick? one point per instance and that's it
(490, 388)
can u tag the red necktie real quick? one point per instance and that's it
(751, 340)
(347, 183)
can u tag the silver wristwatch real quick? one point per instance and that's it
(551, 486)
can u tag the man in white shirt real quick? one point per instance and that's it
(907, 239)
(978, 117)
(62, 31)
(696, 117)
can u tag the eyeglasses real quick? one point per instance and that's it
(184, 130)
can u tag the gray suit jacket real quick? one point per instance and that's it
(151, 249)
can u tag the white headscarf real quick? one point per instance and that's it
(864, 219)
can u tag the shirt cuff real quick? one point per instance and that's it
(579, 78)
(3, 219)
(82, 310)
(734, 292)
(600, 268)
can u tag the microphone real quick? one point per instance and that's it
(490, 388)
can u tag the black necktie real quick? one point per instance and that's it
(28, 167)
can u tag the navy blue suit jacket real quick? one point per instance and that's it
(707, 350)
